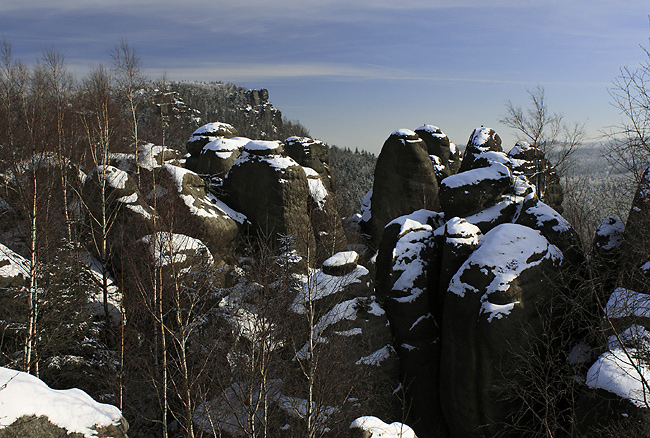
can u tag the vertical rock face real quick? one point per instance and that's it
(323, 205)
(492, 306)
(405, 180)
(443, 153)
(272, 191)
(464, 288)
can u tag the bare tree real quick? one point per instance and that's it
(628, 146)
(546, 131)
(130, 83)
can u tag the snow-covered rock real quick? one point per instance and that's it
(373, 427)
(405, 180)
(23, 395)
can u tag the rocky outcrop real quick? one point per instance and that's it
(273, 192)
(482, 140)
(183, 200)
(496, 295)
(405, 181)
(323, 206)
(531, 162)
(127, 214)
(213, 148)
(462, 285)
(443, 153)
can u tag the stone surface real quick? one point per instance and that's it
(273, 192)
(405, 180)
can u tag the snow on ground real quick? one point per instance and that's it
(495, 172)
(506, 251)
(378, 428)
(72, 409)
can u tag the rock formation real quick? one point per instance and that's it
(405, 181)
(460, 286)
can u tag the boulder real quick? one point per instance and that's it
(438, 145)
(273, 192)
(405, 180)
(182, 199)
(341, 263)
(313, 154)
(207, 133)
(495, 296)
(482, 140)
(473, 190)
(217, 156)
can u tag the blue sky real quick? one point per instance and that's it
(354, 71)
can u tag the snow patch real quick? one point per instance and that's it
(378, 428)
(72, 409)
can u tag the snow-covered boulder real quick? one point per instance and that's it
(207, 133)
(26, 403)
(313, 154)
(217, 156)
(405, 180)
(341, 263)
(481, 140)
(496, 295)
(469, 192)
(373, 427)
(183, 200)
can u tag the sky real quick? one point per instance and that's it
(353, 71)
